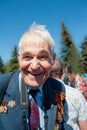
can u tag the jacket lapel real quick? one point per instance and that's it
(51, 117)
(13, 87)
(49, 89)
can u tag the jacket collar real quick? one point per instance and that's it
(51, 85)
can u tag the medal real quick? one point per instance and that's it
(11, 104)
(4, 106)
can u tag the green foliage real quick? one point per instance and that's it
(13, 64)
(70, 56)
(2, 70)
(84, 55)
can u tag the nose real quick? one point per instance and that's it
(34, 64)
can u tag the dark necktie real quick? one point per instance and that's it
(34, 112)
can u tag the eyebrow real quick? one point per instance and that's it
(40, 52)
(44, 51)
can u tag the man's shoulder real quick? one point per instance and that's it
(6, 76)
(71, 93)
(74, 96)
(55, 84)
(72, 90)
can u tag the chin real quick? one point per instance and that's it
(32, 83)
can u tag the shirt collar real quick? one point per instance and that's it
(40, 88)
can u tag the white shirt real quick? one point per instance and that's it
(75, 107)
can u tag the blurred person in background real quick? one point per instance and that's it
(75, 107)
(83, 88)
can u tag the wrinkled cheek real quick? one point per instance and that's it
(23, 65)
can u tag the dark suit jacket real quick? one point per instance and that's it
(12, 120)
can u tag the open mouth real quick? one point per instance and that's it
(35, 74)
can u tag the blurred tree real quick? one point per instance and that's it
(84, 55)
(69, 53)
(2, 70)
(13, 64)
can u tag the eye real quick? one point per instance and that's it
(27, 57)
(43, 57)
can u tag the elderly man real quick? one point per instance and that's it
(30, 98)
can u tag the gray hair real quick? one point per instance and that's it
(41, 32)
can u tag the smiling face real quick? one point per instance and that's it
(35, 61)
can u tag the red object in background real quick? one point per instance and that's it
(83, 84)
(83, 87)
(73, 78)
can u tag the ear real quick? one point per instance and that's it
(54, 57)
